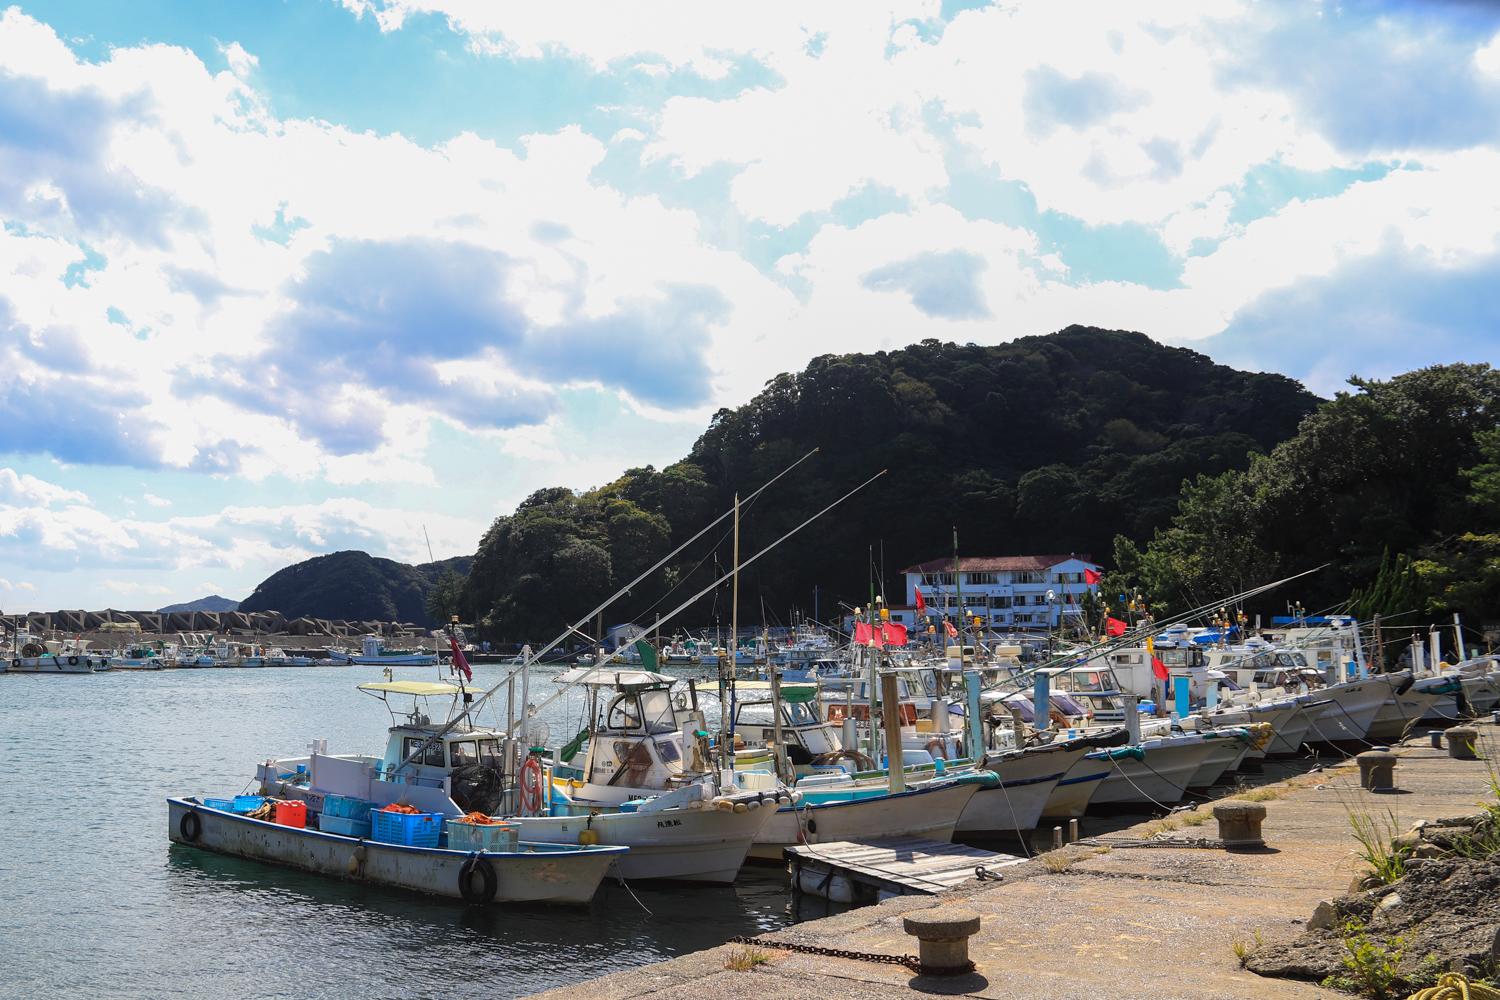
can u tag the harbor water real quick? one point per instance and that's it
(95, 901)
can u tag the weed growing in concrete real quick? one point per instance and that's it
(1244, 949)
(1375, 833)
(745, 958)
(1370, 968)
(1056, 861)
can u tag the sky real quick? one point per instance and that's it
(282, 277)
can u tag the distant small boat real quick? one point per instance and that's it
(373, 653)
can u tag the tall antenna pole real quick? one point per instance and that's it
(429, 544)
(958, 591)
(726, 752)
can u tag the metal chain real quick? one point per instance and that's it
(909, 961)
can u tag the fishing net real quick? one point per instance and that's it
(476, 788)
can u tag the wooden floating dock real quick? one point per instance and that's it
(859, 871)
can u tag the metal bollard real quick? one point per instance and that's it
(1057, 840)
(1239, 823)
(1072, 831)
(1461, 741)
(943, 937)
(1436, 736)
(1377, 770)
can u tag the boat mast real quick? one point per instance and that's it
(726, 749)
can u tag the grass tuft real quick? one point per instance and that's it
(745, 957)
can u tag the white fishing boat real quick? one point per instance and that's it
(677, 833)
(531, 873)
(1155, 771)
(1287, 717)
(373, 653)
(33, 655)
(1405, 708)
(929, 810)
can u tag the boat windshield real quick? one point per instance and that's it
(1291, 659)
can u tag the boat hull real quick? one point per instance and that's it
(1352, 709)
(53, 665)
(1162, 778)
(1071, 796)
(416, 660)
(930, 812)
(548, 875)
(1027, 781)
(1224, 757)
(687, 845)
(1401, 712)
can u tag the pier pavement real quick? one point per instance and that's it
(1095, 920)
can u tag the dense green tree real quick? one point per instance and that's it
(1371, 480)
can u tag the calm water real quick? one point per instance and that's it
(94, 900)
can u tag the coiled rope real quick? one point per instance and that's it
(1456, 986)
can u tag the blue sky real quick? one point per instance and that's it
(286, 276)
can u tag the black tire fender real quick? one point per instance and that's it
(72, 661)
(477, 864)
(190, 826)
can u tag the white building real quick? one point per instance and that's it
(1007, 592)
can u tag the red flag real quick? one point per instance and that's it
(921, 604)
(1115, 627)
(952, 632)
(893, 634)
(458, 659)
(1158, 668)
(865, 635)
(1092, 576)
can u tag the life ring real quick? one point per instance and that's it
(190, 826)
(466, 880)
(834, 756)
(72, 661)
(531, 787)
(937, 749)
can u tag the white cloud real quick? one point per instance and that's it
(156, 501)
(22, 489)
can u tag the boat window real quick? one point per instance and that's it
(656, 709)
(668, 750)
(624, 713)
(490, 754)
(432, 756)
(462, 754)
(799, 714)
(753, 714)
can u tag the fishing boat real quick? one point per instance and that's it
(674, 833)
(373, 653)
(32, 655)
(531, 873)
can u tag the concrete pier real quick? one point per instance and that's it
(1107, 916)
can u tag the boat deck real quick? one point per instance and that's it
(903, 866)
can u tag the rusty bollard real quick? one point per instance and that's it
(1239, 823)
(1461, 743)
(1377, 770)
(943, 939)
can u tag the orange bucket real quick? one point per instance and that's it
(292, 814)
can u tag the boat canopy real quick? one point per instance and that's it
(605, 676)
(422, 689)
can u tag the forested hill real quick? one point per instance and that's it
(355, 586)
(1049, 443)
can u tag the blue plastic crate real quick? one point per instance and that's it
(346, 807)
(344, 826)
(410, 829)
(248, 803)
(223, 805)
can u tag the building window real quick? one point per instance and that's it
(1031, 576)
(944, 579)
(999, 602)
(978, 578)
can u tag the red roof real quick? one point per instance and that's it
(992, 564)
